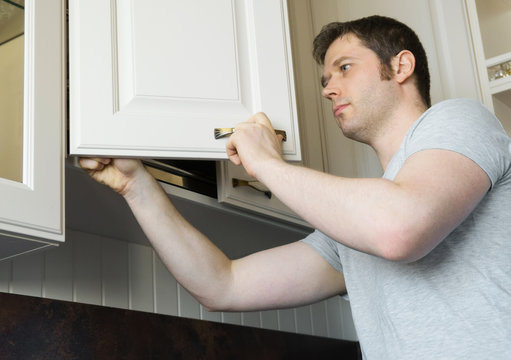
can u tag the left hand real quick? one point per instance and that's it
(253, 143)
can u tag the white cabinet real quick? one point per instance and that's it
(155, 78)
(31, 210)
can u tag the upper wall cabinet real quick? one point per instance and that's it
(155, 78)
(32, 112)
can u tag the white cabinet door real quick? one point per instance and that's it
(154, 78)
(31, 210)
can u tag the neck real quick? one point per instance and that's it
(387, 143)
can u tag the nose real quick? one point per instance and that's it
(331, 90)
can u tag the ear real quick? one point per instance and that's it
(403, 65)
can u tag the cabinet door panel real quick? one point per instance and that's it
(33, 208)
(154, 78)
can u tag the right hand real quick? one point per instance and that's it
(119, 174)
(254, 142)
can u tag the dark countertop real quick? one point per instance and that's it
(37, 328)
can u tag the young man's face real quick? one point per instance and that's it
(361, 100)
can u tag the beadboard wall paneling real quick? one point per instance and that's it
(115, 285)
(231, 318)
(287, 320)
(87, 269)
(166, 290)
(102, 271)
(27, 275)
(58, 272)
(141, 277)
(5, 276)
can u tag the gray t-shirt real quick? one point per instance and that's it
(455, 302)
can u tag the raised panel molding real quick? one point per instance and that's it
(154, 78)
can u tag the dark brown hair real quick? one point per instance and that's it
(386, 37)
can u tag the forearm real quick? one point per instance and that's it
(195, 262)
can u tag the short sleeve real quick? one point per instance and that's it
(326, 247)
(467, 127)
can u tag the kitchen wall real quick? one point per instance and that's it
(104, 271)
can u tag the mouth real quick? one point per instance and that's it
(339, 109)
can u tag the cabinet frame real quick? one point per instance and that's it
(32, 215)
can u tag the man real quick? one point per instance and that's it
(423, 253)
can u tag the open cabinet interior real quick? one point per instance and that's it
(494, 17)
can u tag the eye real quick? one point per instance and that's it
(345, 67)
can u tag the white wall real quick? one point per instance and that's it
(103, 271)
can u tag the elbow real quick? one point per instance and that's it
(212, 305)
(398, 254)
(210, 308)
(215, 295)
(216, 301)
(401, 243)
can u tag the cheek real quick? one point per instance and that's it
(373, 89)
(367, 93)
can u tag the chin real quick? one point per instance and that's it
(358, 135)
(347, 131)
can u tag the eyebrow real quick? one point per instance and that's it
(336, 63)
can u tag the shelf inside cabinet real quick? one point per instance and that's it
(500, 85)
(499, 73)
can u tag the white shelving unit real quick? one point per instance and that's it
(500, 77)
(489, 25)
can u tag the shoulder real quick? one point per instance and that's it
(460, 112)
(464, 126)
(462, 103)
(459, 102)
(457, 120)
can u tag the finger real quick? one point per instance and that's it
(235, 159)
(255, 123)
(261, 118)
(232, 153)
(94, 163)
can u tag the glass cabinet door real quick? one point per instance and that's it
(32, 115)
(12, 26)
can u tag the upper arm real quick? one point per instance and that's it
(443, 187)
(285, 276)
